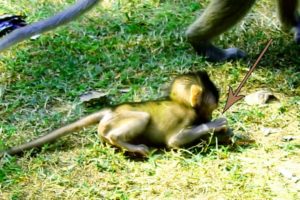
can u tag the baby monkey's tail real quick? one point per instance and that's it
(50, 137)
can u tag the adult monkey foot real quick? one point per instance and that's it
(215, 54)
(218, 17)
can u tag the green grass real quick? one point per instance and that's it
(139, 46)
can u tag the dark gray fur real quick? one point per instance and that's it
(221, 15)
(218, 17)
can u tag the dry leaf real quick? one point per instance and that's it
(259, 97)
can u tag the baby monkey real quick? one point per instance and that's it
(181, 119)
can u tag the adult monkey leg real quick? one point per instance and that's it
(219, 16)
(289, 16)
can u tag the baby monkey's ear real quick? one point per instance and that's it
(195, 95)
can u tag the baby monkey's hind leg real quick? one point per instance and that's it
(120, 129)
(218, 17)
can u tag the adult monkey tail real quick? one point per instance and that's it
(91, 119)
(59, 19)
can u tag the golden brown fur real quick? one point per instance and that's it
(180, 119)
